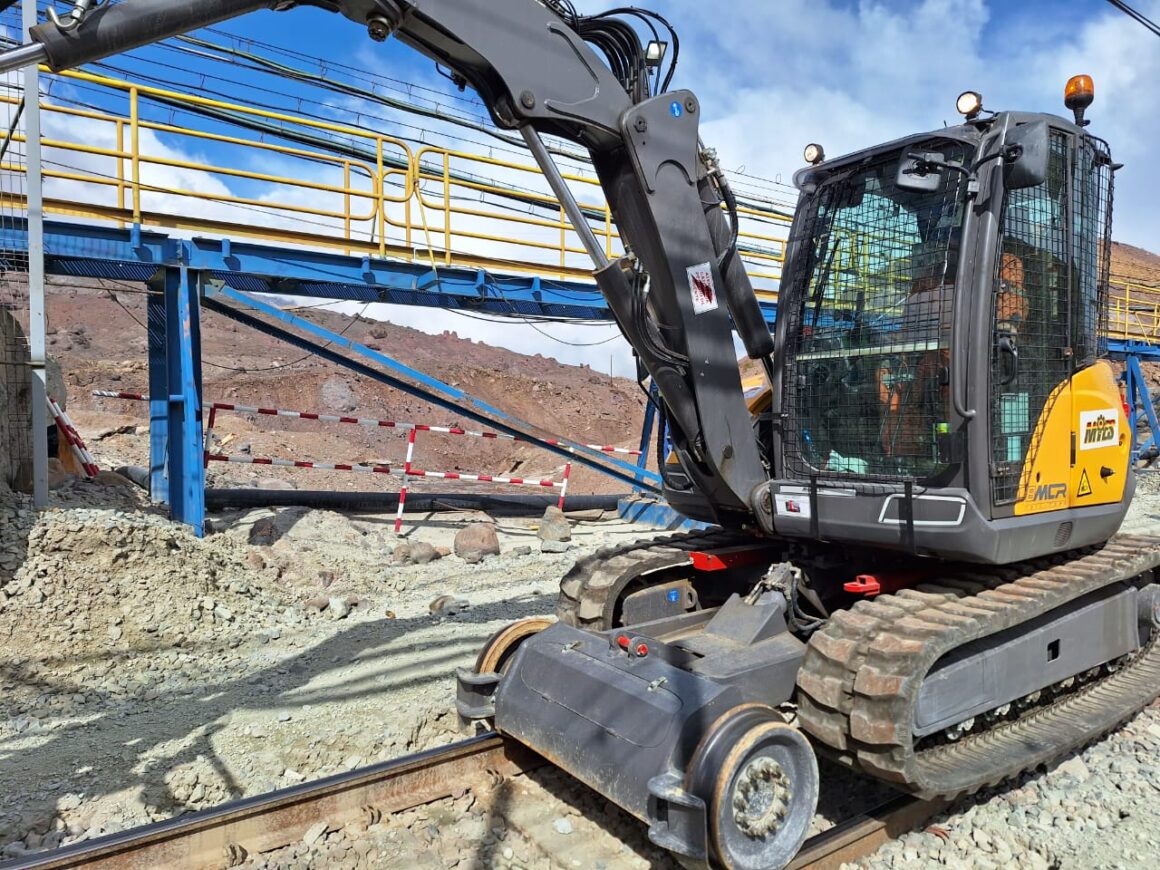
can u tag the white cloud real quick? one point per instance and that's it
(774, 76)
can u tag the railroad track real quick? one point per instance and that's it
(228, 834)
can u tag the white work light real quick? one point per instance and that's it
(655, 52)
(969, 104)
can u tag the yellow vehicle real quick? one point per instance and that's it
(915, 546)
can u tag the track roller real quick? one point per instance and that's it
(501, 646)
(476, 687)
(759, 780)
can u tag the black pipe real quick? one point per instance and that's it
(379, 502)
(114, 28)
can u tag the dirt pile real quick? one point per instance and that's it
(116, 581)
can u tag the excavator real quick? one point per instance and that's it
(911, 565)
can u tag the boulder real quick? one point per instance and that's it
(422, 553)
(112, 478)
(264, 532)
(554, 526)
(476, 540)
(402, 553)
(58, 475)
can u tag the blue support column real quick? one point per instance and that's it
(176, 471)
(186, 468)
(158, 389)
(650, 413)
(1139, 401)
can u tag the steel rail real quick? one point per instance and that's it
(225, 835)
(861, 835)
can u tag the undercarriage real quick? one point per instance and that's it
(692, 679)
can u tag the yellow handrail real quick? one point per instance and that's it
(307, 195)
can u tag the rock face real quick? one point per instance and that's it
(475, 541)
(15, 398)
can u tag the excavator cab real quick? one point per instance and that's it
(939, 347)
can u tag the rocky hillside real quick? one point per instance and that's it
(96, 331)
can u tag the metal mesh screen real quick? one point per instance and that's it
(866, 373)
(1047, 302)
(1093, 183)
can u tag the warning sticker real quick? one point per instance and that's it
(792, 505)
(1085, 485)
(701, 286)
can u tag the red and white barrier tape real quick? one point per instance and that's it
(485, 478)
(300, 463)
(73, 438)
(382, 424)
(406, 472)
(403, 486)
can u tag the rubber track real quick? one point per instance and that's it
(862, 672)
(588, 592)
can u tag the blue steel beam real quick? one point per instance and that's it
(428, 388)
(155, 307)
(131, 254)
(1120, 348)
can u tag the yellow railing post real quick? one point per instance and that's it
(346, 203)
(607, 231)
(121, 167)
(563, 239)
(134, 140)
(447, 208)
(381, 196)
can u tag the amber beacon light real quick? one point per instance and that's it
(1078, 95)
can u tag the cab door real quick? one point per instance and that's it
(1032, 353)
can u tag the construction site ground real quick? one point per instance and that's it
(147, 673)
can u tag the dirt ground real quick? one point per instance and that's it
(147, 673)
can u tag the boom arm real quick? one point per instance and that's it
(537, 74)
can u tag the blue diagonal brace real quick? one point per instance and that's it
(1139, 399)
(416, 384)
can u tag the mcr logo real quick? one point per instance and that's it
(1050, 492)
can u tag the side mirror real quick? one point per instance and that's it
(920, 172)
(1025, 156)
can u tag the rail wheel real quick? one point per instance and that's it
(501, 646)
(759, 779)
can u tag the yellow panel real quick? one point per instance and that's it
(1102, 440)
(757, 394)
(1088, 409)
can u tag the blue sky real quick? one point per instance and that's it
(773, 76)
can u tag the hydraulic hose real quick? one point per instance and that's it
(737, 290)
(112, 29)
